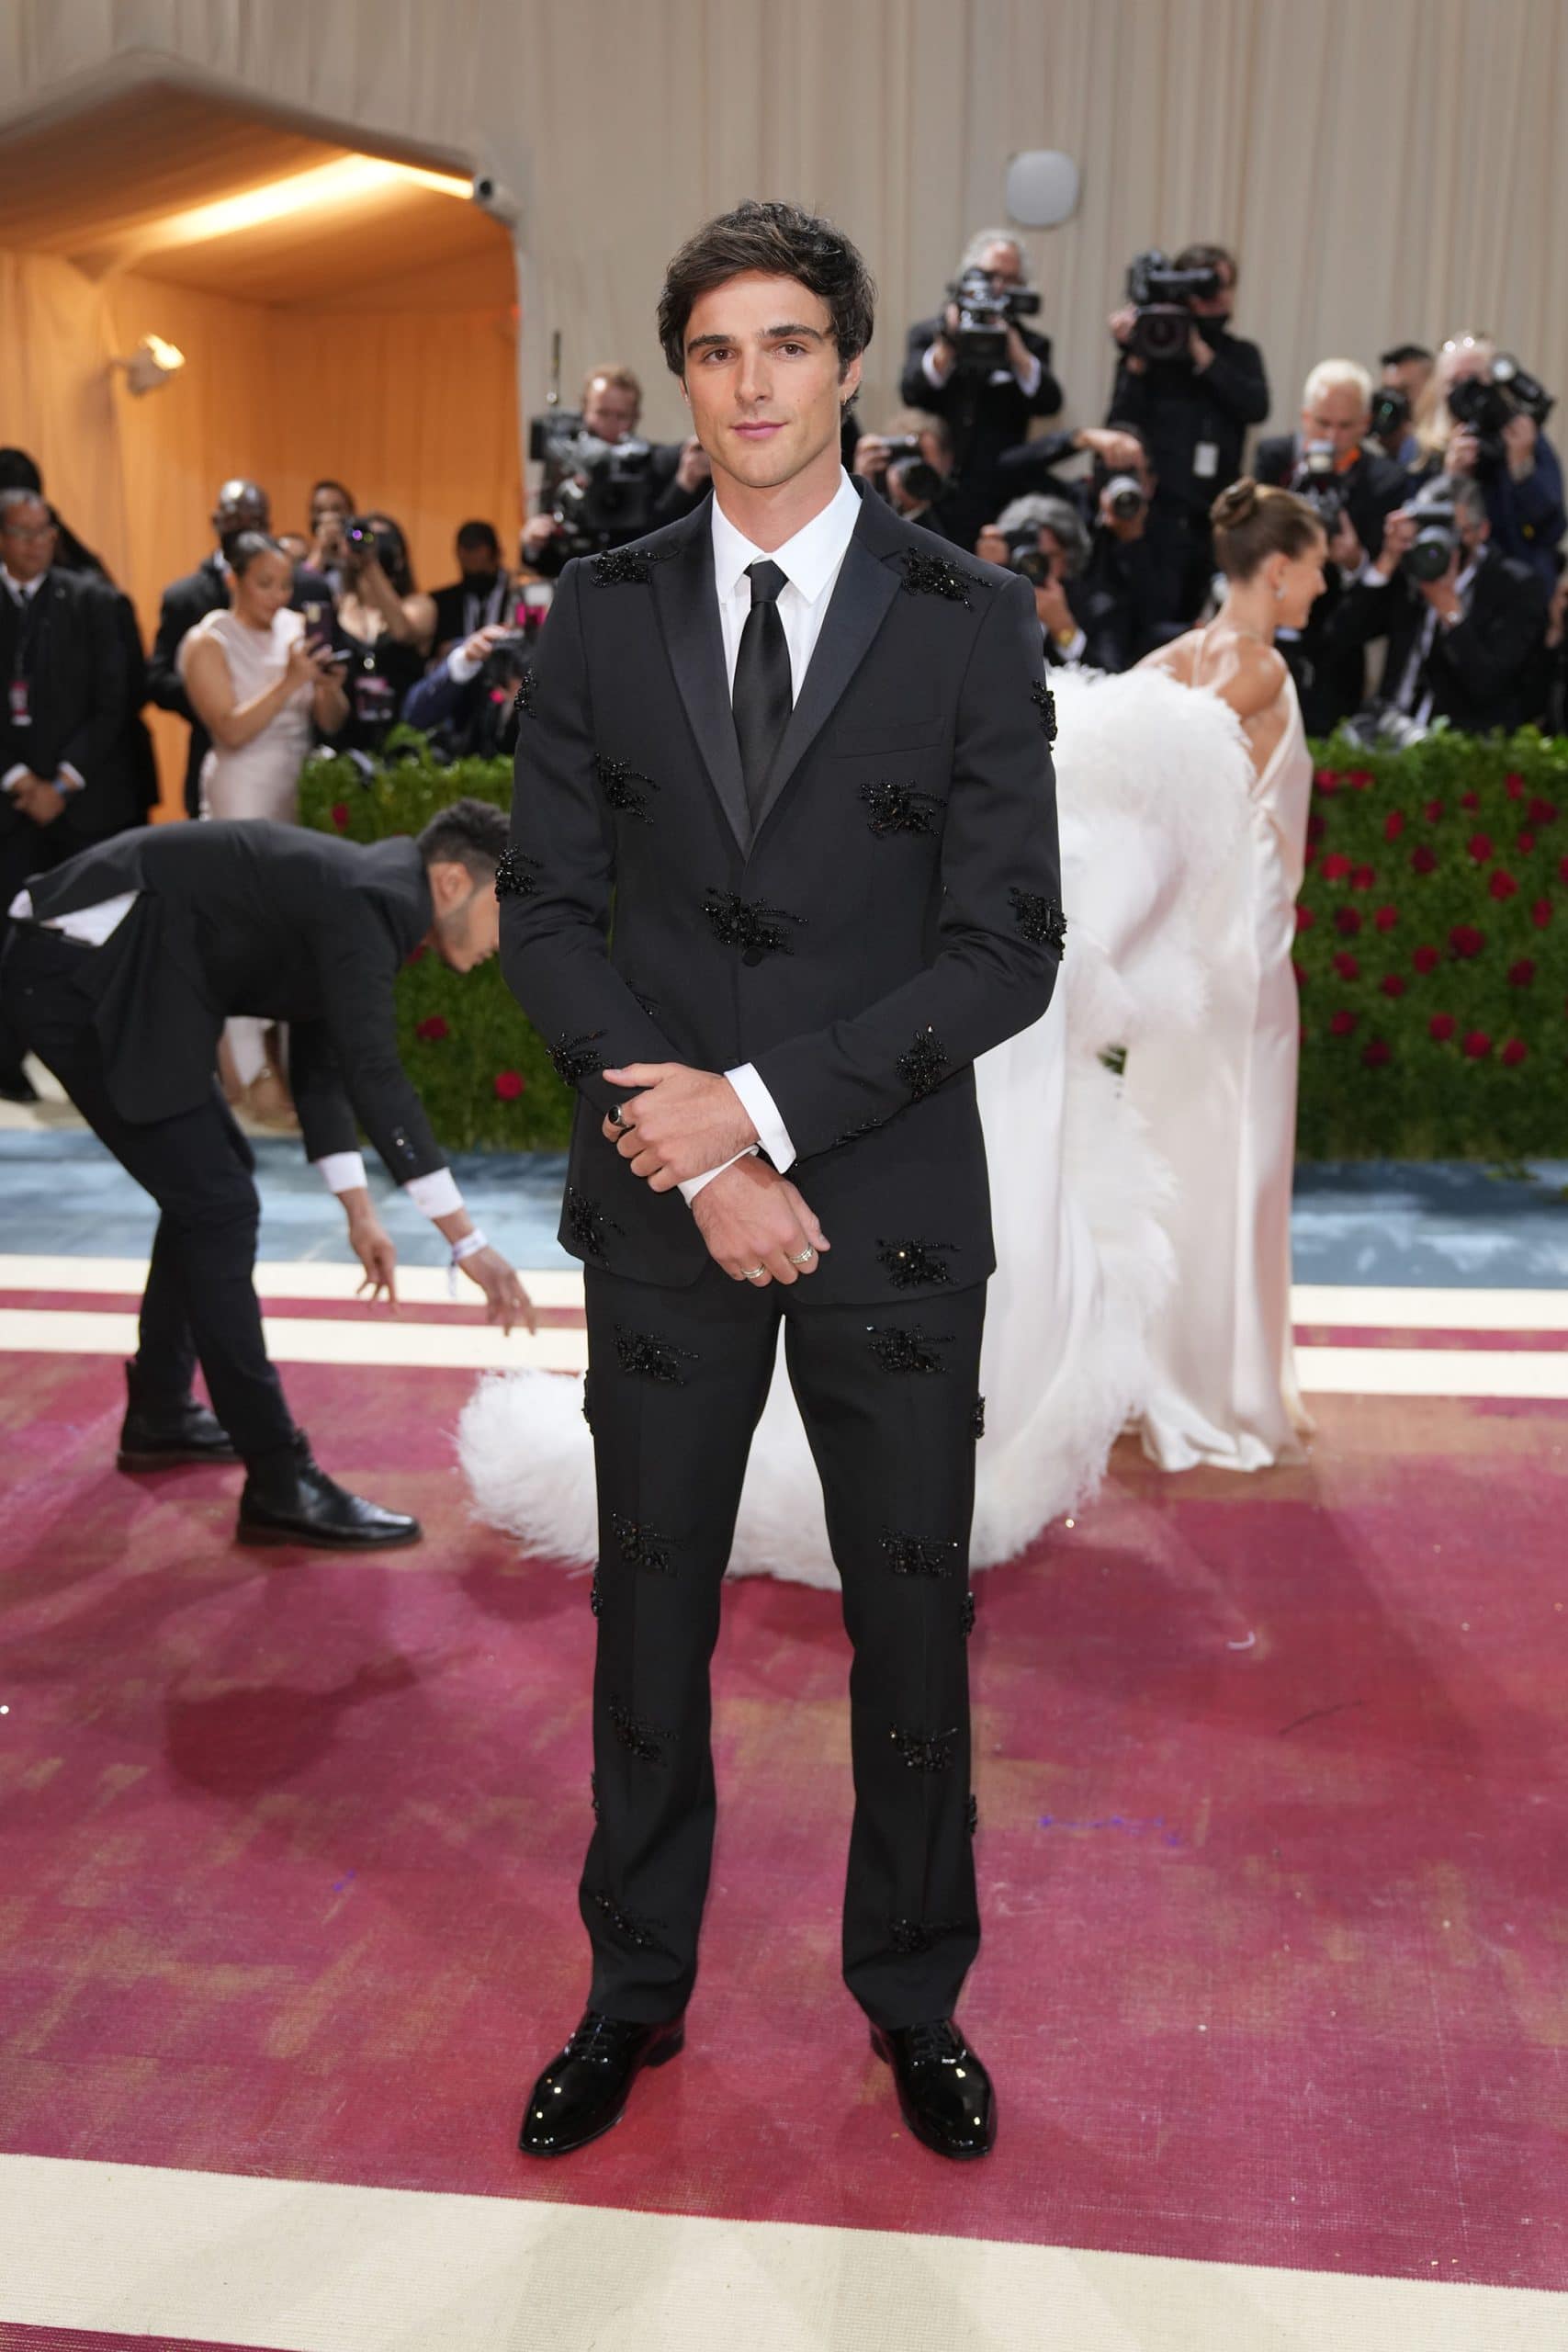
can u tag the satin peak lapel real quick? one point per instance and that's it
(687, 602)
(865, 588)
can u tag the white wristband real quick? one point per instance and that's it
(468, 1247)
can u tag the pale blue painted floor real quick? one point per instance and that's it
(1442, 1226)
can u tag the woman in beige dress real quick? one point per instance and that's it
(260, 690)
(1221, 1112)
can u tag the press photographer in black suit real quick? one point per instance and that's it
(121, 971)
(676, 473)
(1193, 411)
(482, 597)
(67, 776)
(800, 744)
(909, 462)
(986, 403)
(1354, 486)
(241, 507)
(1463, 643)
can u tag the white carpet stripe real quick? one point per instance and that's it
(1372, 1306)
(312, 2267)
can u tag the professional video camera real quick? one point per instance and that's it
(1317, 479)
(1486, 404)
(601, 493)
(918, 478)
(1163, 296)
(1389, 419)
(1432, 550)
(985, 313)
(1123, 494)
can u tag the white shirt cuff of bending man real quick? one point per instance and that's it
(436, 1194)
(772, 1136)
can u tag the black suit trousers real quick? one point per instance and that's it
(201, 1301)
(677, 1380)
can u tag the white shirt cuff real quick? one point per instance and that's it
(436, 1194)
(69, 778)
(1029, 382)
(694, 1184)
(1372, 575)
(13, 777)
(1073, 649)
(763, 1113)
(341, 1172)
(460, 669)
(929, 370)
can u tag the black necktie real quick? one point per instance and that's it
(763, 696)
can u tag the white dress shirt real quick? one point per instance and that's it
(810, 562)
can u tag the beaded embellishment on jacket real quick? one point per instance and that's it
(639, 1738)
(757, 930)
(977, 1420)
(575, 1058)
(912, 1936)
(646, 1354)
(932, 575)
(515, 875)
(967, 1620)
(1045, 703)
(922, 1066)
(900, 808)
(1041, 919)
(628, 567)
(523, 700)
(642, 1546)
(908, 1264)
(899, 1351)
(919, 1555)
(924, 1751)
(629, 1927)
(595, 1604)
(588, 1224)
(626, 787)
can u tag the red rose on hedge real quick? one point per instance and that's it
(340, 814)
(1514, 1052)
(1480, 847)
(1526, 842)
(1375, 1053)
(1502, 884)
(1342, 1025)
(1349, 922)
(1514, 785)
(1305, 918)
(1394, 984)
(1426, 959)
(1541, 812)
(1362, 879)
(432, 1029)
(1346, 965)
(1465, 940)
(1326, 779)
(1470, 801)
(1540, 914)
(1336, 868)
(1441, 1027)
(1358, 778)
(1424, 860)
(1386, 918)
(1432, 811)
(1477, 1044)
(1521, 974)
(1392, 825)
(508, 1085)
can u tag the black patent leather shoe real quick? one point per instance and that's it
(584, 2091)
(160, 1436)
(944, 2091)
(288, 1499)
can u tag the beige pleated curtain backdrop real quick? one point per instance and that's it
(1386, 168)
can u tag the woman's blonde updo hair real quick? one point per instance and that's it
(1253, 521)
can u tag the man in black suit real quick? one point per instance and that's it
(67, 776)
(803, 746)
(1466, 646)
(988, 408)
(1193, 412)
(120, 972)
(241, 506)
(1331, 460)
(481, 598)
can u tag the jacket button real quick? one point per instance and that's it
(752, 955)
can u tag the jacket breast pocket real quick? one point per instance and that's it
(870, 738)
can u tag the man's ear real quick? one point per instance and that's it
(849, 384)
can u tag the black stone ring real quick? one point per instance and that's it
(618, 1115)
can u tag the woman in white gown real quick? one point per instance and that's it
(260, 690)
(1221, 1377)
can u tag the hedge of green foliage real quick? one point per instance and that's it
(1432, 955)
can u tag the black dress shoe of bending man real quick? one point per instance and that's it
(289, 1499)
(157, 1433)
(585, 2089)
(944, 2091)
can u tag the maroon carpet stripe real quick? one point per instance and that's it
(1363, 1335)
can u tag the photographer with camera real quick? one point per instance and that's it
(1406, 370)
(1193, 388)
(384, 627)
(481, 595)
(984, 372)
(1090, 597)
(1352, 487)
(466, 702)
(603, 485)
(1464, 623)
(910, 465)
(1485, 421)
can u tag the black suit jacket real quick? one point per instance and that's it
(986, 419)
(84, 692)
(269, 920)
(1179, 410)
(894, 914)
(450, 602)
(185, 602)
(1485, 672)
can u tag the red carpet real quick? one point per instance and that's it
(1274, 1851)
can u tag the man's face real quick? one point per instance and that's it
(762, 378)
(466, 929)
(1410, 376)
(477, 560)
(241, 507)
(328, 505)
(1216, 306)
(27, 540)
(1339, 416)
(610, 411)
(1003, 265)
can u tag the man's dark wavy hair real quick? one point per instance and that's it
(471, 833)
(778, 241)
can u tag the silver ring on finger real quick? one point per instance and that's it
(618, 1116)
(753, 1274)
(805, 1258)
